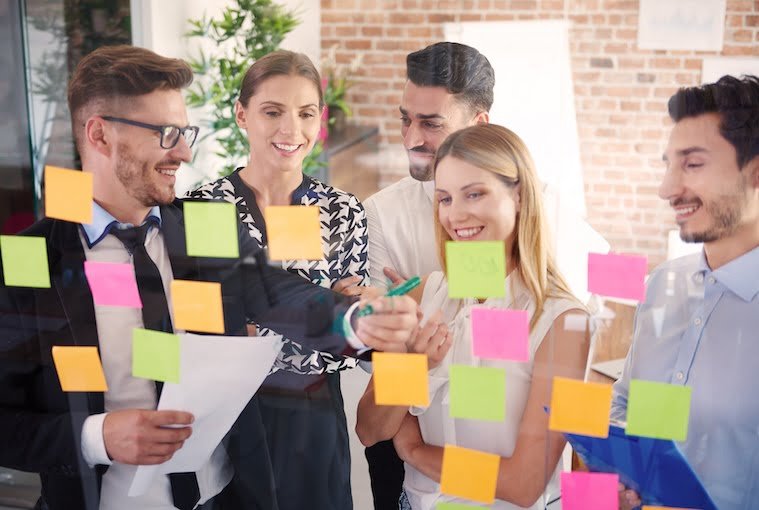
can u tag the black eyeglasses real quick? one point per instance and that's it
(169, 134)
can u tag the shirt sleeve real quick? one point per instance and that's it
(379, 257)
(93, 443)
(354, 256)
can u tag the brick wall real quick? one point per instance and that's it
(620, 91)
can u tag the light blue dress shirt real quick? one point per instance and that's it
(103, 221)
(700, 328)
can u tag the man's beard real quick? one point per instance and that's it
(422, 172)
(726, 212)
(136, 177)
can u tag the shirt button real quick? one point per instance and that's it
(680, 376)
(712, 280)
(697, 321)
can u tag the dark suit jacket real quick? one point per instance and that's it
(40, 425)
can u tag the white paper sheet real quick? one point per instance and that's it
(681, 25)
(714, 68)
(218, 376)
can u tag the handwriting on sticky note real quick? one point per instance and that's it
(211, 229)
(469, 474)
(400, 379)
(112, 284)
(68, 195)
(500, 334)
(589, 491)
(79, 368)
(25, 261)
(475, 269)
(197, 306)
(293, 232)
(658, 410)
(155, 355)
(478, 393)
(580, 408)
(619, 276)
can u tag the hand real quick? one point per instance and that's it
(389, 326)
(394, 276)
(432, 339)
(408, 438)
(348, 286)
(139, 436)
(628, 498)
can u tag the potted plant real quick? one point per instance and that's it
(336, 82)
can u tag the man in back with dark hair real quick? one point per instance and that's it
(698, 325)
(132, 132)
(449, 87)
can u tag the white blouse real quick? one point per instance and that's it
(438, 428)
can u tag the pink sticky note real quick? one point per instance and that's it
(113, 284)
(500, 334)
(589, 491)
(620, 276)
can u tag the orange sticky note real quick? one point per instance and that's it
(293, 232)
(68, 195)
(400, 379)
(580, 408)
(79, 368)
(469, 474)
(197, 306)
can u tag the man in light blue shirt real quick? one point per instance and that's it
(699, 324)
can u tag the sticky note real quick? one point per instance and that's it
(455, 506)
(112, 284)
(197, 306)
(500, 334)
(155, 355)
(589, 491)
(400, 379)
(580, 408)
(475, 269)
(79, 368)
(658, 410)
(25, 261)
(211, 229)
(619, 276)
(68, 195)
(478, 393)
(293, 232)
(469, 474)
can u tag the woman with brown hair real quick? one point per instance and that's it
(486, 189)
(280, 107)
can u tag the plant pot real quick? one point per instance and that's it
(339, 120)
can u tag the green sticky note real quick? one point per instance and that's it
(25, 261)
(658, 410)
(211, 229)
(455, 506)
(155, 355)
(478, 393)
(475, 269)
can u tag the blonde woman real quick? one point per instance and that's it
(486, 189)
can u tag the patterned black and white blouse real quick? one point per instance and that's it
(344, 239)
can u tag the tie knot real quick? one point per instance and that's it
(132, 237)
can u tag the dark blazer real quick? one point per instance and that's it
(40, 425)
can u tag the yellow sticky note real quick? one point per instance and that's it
(79, 368)
(400, 379)
(197, 306)
(68, 195)
(469, 474)
(580, 408)
(293, 232)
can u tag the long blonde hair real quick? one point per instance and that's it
(500, 151)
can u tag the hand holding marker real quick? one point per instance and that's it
(400, 290)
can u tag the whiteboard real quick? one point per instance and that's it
(534, 94)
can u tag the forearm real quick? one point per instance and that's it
(426, 459)
(377, 423)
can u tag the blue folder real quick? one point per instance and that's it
(654, 468)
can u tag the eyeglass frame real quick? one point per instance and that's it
(157, 128)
